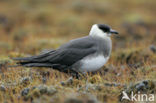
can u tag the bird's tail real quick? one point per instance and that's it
(34, 61)
(31, 62)
(28, 62)
(12, 66)
(41, 60)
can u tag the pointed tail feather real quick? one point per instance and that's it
(36, 57)
(22, 59)
(38, 65)
(58, 67)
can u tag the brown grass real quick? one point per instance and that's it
(29, 26)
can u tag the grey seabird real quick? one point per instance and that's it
(82, 55)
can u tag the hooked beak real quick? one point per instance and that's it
(113, 31)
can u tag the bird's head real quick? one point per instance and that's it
(102, 30)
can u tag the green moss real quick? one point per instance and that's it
(5, 60)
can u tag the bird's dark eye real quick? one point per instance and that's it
(104, 27)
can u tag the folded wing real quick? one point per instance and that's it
(62, 57)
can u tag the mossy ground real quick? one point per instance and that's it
(29, 26)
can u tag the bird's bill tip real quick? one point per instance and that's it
(113, 31)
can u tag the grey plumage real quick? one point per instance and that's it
(66, 57)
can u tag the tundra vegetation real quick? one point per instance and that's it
(30, 26)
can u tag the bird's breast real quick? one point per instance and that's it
(92, 63)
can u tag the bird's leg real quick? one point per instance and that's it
(69, 81)
(75, 74)
(85, 75)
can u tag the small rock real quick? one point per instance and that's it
(51, 90)
(153, 48)
(145, 86)
(42, 89)
(25, 80)
(2, 88)
(38, 91)
(68, 82)
(140, 86)
(25, 91)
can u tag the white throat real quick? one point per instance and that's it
(95, 31)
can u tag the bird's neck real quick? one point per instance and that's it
(105, 45)
(101, 36)
(98, 33)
